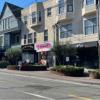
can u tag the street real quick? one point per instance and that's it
(23, 87)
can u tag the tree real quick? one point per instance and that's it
(64, 50)
(13, 55)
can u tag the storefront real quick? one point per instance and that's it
(29, 55)
(88, 54)
(44, 52)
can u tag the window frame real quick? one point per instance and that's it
(34, 17)
(91, 26)
(25, 39)
(46, 35)
(65, 34)
(30, 38)
(35, 37)
(61, 7)
(49, 12)
(70, 5)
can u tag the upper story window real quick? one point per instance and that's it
(61, 6)
(34, 17)
(30, 38)
(46, 35)
(35, 37)
(90, 26)
(69, 5)
(1, 40)
(39, 16)
(49, 11)
(66, 31)
(25, 19)
(25, 37)
(88, 2)
(17, 39)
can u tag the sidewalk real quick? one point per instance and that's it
(51, 75)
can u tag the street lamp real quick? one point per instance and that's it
(98, 26)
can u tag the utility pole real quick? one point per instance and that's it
(98, 27)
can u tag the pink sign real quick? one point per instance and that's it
(43, 46)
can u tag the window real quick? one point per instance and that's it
(25, 19)
(35, 37)
(39, 16)
(25, 39)
(69, 5)
(34, 17)
(46, 35)
(1, 40)
(48, 11)
(90, 26)
(61, 6)
(3, 24)
(30, 38)
(89, 2)
(66, 31)
(17, 39)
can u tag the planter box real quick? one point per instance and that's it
(94, 74)
(29, 67)
(11, 67)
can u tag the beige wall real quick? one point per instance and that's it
(78, 24)
(76, 18)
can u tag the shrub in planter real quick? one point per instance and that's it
(95, 74)
(13, 55)
(4, 64)
(74, 71)
(60, 69)
(11, 67)
(69, 70)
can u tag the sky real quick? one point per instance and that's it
(21, 3)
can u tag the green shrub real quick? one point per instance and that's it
(69, 70)
(74, 71)
(4, 64)
(13, 55)
(58, 69)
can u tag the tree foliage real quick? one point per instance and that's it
(63, 51)
(13, 55)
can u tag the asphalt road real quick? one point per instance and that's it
(23, 87)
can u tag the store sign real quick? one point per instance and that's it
(43, 46)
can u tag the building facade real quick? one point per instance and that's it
(36, 28)
(60, 20)
(38, 31)
(10, 27)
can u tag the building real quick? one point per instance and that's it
(10, 27)
(60, 20)
(38, 31)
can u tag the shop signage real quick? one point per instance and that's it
(40, 47)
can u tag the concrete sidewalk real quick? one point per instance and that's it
(51, 75)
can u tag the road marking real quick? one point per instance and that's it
(79, 97)
(46, 79)
(39, 96)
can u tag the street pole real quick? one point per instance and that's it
(98, 28)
